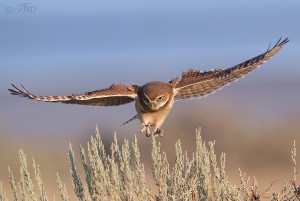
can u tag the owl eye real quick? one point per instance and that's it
(159, 99)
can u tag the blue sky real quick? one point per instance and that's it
(75, 46)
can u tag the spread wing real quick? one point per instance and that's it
(196, 84)
(116, 94)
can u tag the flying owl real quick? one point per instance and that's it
(154, 100)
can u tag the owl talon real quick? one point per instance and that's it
(158, 132)
(146, 129)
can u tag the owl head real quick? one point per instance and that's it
(155, 95)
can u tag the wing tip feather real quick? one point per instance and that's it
(17, 91)
(279, 43)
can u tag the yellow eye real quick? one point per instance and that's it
(159, 99)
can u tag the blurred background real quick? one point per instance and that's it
(65, 47)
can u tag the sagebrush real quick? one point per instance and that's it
(120, 175)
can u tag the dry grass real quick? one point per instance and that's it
(120, 175)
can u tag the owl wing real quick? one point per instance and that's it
(116, 94)
(197, 84)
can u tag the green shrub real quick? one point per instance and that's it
(120, 175)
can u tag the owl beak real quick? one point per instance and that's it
(153, 106)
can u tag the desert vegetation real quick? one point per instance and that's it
(120, 175)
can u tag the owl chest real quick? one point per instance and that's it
(152, 117)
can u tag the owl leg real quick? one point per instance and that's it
(146, 128)
(158, 132)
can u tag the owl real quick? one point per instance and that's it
(154, 100)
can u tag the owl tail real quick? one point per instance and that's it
(133, 118)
